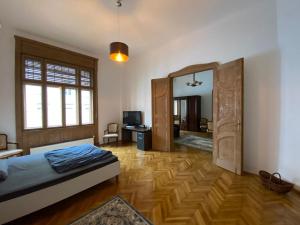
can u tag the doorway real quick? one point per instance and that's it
(193, 111)
(227, 121)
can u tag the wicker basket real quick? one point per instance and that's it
(273, 183)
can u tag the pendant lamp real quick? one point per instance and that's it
(195, 83)
(119, 50)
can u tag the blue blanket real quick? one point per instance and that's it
(66, 159)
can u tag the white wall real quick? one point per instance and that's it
(109, 94)
(7, 83)
(108, 83)
(251, 34)
(289, 37)
(204, 90)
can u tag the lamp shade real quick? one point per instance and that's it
(119, 52)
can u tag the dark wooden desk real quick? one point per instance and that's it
(144, 137)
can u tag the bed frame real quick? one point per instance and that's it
(26, 204)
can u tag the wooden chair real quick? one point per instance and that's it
(210, 127)
(4, 152)
(203, 124)
(112, 132)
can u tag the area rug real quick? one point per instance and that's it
(114, 212)
(195, 142)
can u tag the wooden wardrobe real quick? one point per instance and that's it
(190, 116)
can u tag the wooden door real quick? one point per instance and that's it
(162, 134)
(228, 116)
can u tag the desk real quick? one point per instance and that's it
(144, 137)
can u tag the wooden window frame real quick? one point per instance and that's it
(44, 53)
(44, 84)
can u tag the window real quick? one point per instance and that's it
(48, 87)
(71, 104)
(54, 107)
(33, 106)
(62, 87)
(86, 107)
(175, 108)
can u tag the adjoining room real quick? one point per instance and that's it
(193, 110)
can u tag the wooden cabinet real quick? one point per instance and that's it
(144, 140)
(194, 113)
(189, 112)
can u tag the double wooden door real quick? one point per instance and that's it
(227, 115)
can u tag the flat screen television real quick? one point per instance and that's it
(132, 118)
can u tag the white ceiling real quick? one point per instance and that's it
(91, 24)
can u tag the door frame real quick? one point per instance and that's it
(185, 71)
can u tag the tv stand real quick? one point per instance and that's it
(144, 136)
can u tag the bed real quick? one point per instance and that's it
(43, 187)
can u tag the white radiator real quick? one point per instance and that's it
(61, 145)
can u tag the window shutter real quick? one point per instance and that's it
(61, 74)
(85, 78)
(33, 69)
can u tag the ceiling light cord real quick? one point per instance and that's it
(118, 4)
(119, 27)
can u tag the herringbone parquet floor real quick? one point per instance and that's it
(180, 188)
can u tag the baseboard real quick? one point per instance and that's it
(297, 188)
(110, 143)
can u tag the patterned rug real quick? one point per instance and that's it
(195, 142)
(114, 212)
